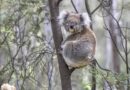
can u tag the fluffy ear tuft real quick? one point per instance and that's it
(86, 19)
(62, 16)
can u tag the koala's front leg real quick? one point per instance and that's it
(60, 49)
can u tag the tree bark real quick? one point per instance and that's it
(65, 73)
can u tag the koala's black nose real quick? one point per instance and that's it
(71, 27)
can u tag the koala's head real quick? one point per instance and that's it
(74, 22)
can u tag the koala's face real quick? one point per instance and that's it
(73, 23)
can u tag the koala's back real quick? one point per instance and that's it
(79, 48)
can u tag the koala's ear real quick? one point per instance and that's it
(85, 19)
(62, 16)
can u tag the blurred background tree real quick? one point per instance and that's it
(27, 53)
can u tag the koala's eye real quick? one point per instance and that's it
(76, 23)
(67, 24)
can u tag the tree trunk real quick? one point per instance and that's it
(112, 41)
(65, 73)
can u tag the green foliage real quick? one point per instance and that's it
(22, 40)
(87, 86)
(106, 76)
(23, 46)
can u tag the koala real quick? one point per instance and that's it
(6, 86)
(78, 48)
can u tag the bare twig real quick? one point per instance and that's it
(87, 8)
(111, 34)
(74, 6)
(100, 66)
(96, 9)
(127, 63)
(94, 63)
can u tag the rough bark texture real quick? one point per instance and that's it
(57, 36)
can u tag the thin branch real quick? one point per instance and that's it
(94, 60)
(74, 6)
(111, 34)
(5, 37)
(127, 63)
(93, 63)
(96, 9)
(87, 8)
(58, 2)
(100, 66)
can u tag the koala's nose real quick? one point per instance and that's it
(71, 27)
